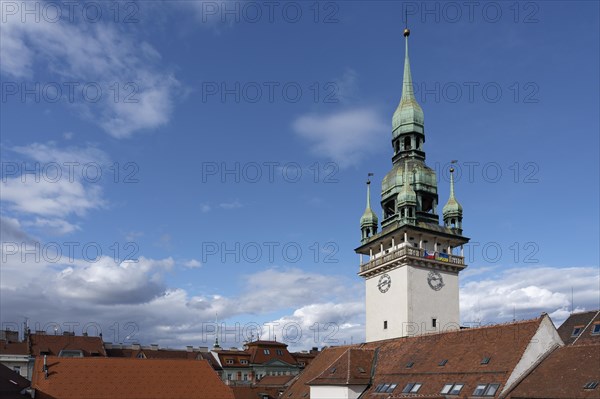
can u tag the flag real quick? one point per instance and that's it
(429, 255)
(442, 257)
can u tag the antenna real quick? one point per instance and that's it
(369, 177)
(406, 18)
(514, 313)
(572, 304)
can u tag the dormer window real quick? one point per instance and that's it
(596, 329)
(266, 351)
(229, 361)
(279, 352)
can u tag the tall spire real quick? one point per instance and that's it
(452, 211)
(409, 115)
(368, 221)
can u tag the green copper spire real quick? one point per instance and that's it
(369, 218)
(452, 211)
(409, 115)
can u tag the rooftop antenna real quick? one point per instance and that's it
(572, 304)
(514, 313)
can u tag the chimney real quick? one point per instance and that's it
(154, 347)
(136, 346)
(190, 348)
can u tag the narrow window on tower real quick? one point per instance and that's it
(385, 324)
(407, 143)
(434, 322)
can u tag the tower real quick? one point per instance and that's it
(412, 265)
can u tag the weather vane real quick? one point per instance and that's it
(369, 177)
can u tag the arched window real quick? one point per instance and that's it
(407, 143)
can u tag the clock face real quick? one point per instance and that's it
(435, 281)
(384, 284)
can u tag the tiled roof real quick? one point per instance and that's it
(110, 378)
(163, 354)
(53, 344)
(585, 321)
(563, 375)
(431, 360)
(353, 367)
(403, 361)
(13, 348)
(275, 351)
(255, 392)
(11, 383)
(275, 380)
(299, 388)
(233, 358)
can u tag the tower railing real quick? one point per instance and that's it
(415, 253)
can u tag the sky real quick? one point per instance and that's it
(168, 164)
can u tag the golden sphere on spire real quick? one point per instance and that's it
(451, 170)
(406, 32)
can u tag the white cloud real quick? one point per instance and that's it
(54, 184)
(526, 292)
(346, 137)
(134, 93)
(192, 264)
(205, 207)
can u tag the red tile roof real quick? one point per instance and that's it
(353, 367)
(276, 351)
(53, 344)
(13, 348)
(407, 360)
(299, 388)
(275, 380)
(110, 378)
(563, 374)
(255, 392)
(586, 322)
(234, 357)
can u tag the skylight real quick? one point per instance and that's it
(385, 388)
(591, 385)
(486, 360)
(409, 365)
(486, 389)
(576, 331)
(596, 329)
(452, 389)
(412, 387)
(443, 362)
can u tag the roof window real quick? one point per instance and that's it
(412, 387)
(409, 365)
(576, 331)
(452, 389)
(591, 385)
(486, 360)
(596, 329)
(443, 362)
(486, 389)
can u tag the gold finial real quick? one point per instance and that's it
(406, 32)
(451, 170)
(451, 167)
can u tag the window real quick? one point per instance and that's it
(479, 390)
(409, 365)
(491, 390)
(279, 352)
(456, 389)
(302, 364)
(17, 369)
(446, 388)
(412, 387)
(385, 324)
(434, 323)
(576, 331)
(243, 361)
(266, 351)
(391, 388)
(591, 385)
(443, 362)
(229, 361)
(229, 376)
(141, 355)
(486, 389)
(382, 387)
(486, 360)
(596, 329)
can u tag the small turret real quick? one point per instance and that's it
(368, 221)
(452, 211)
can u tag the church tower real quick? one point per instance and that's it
(411, 266)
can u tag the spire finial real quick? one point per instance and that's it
(452, 178)
(369, 190)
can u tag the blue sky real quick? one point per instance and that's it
(233, 140)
